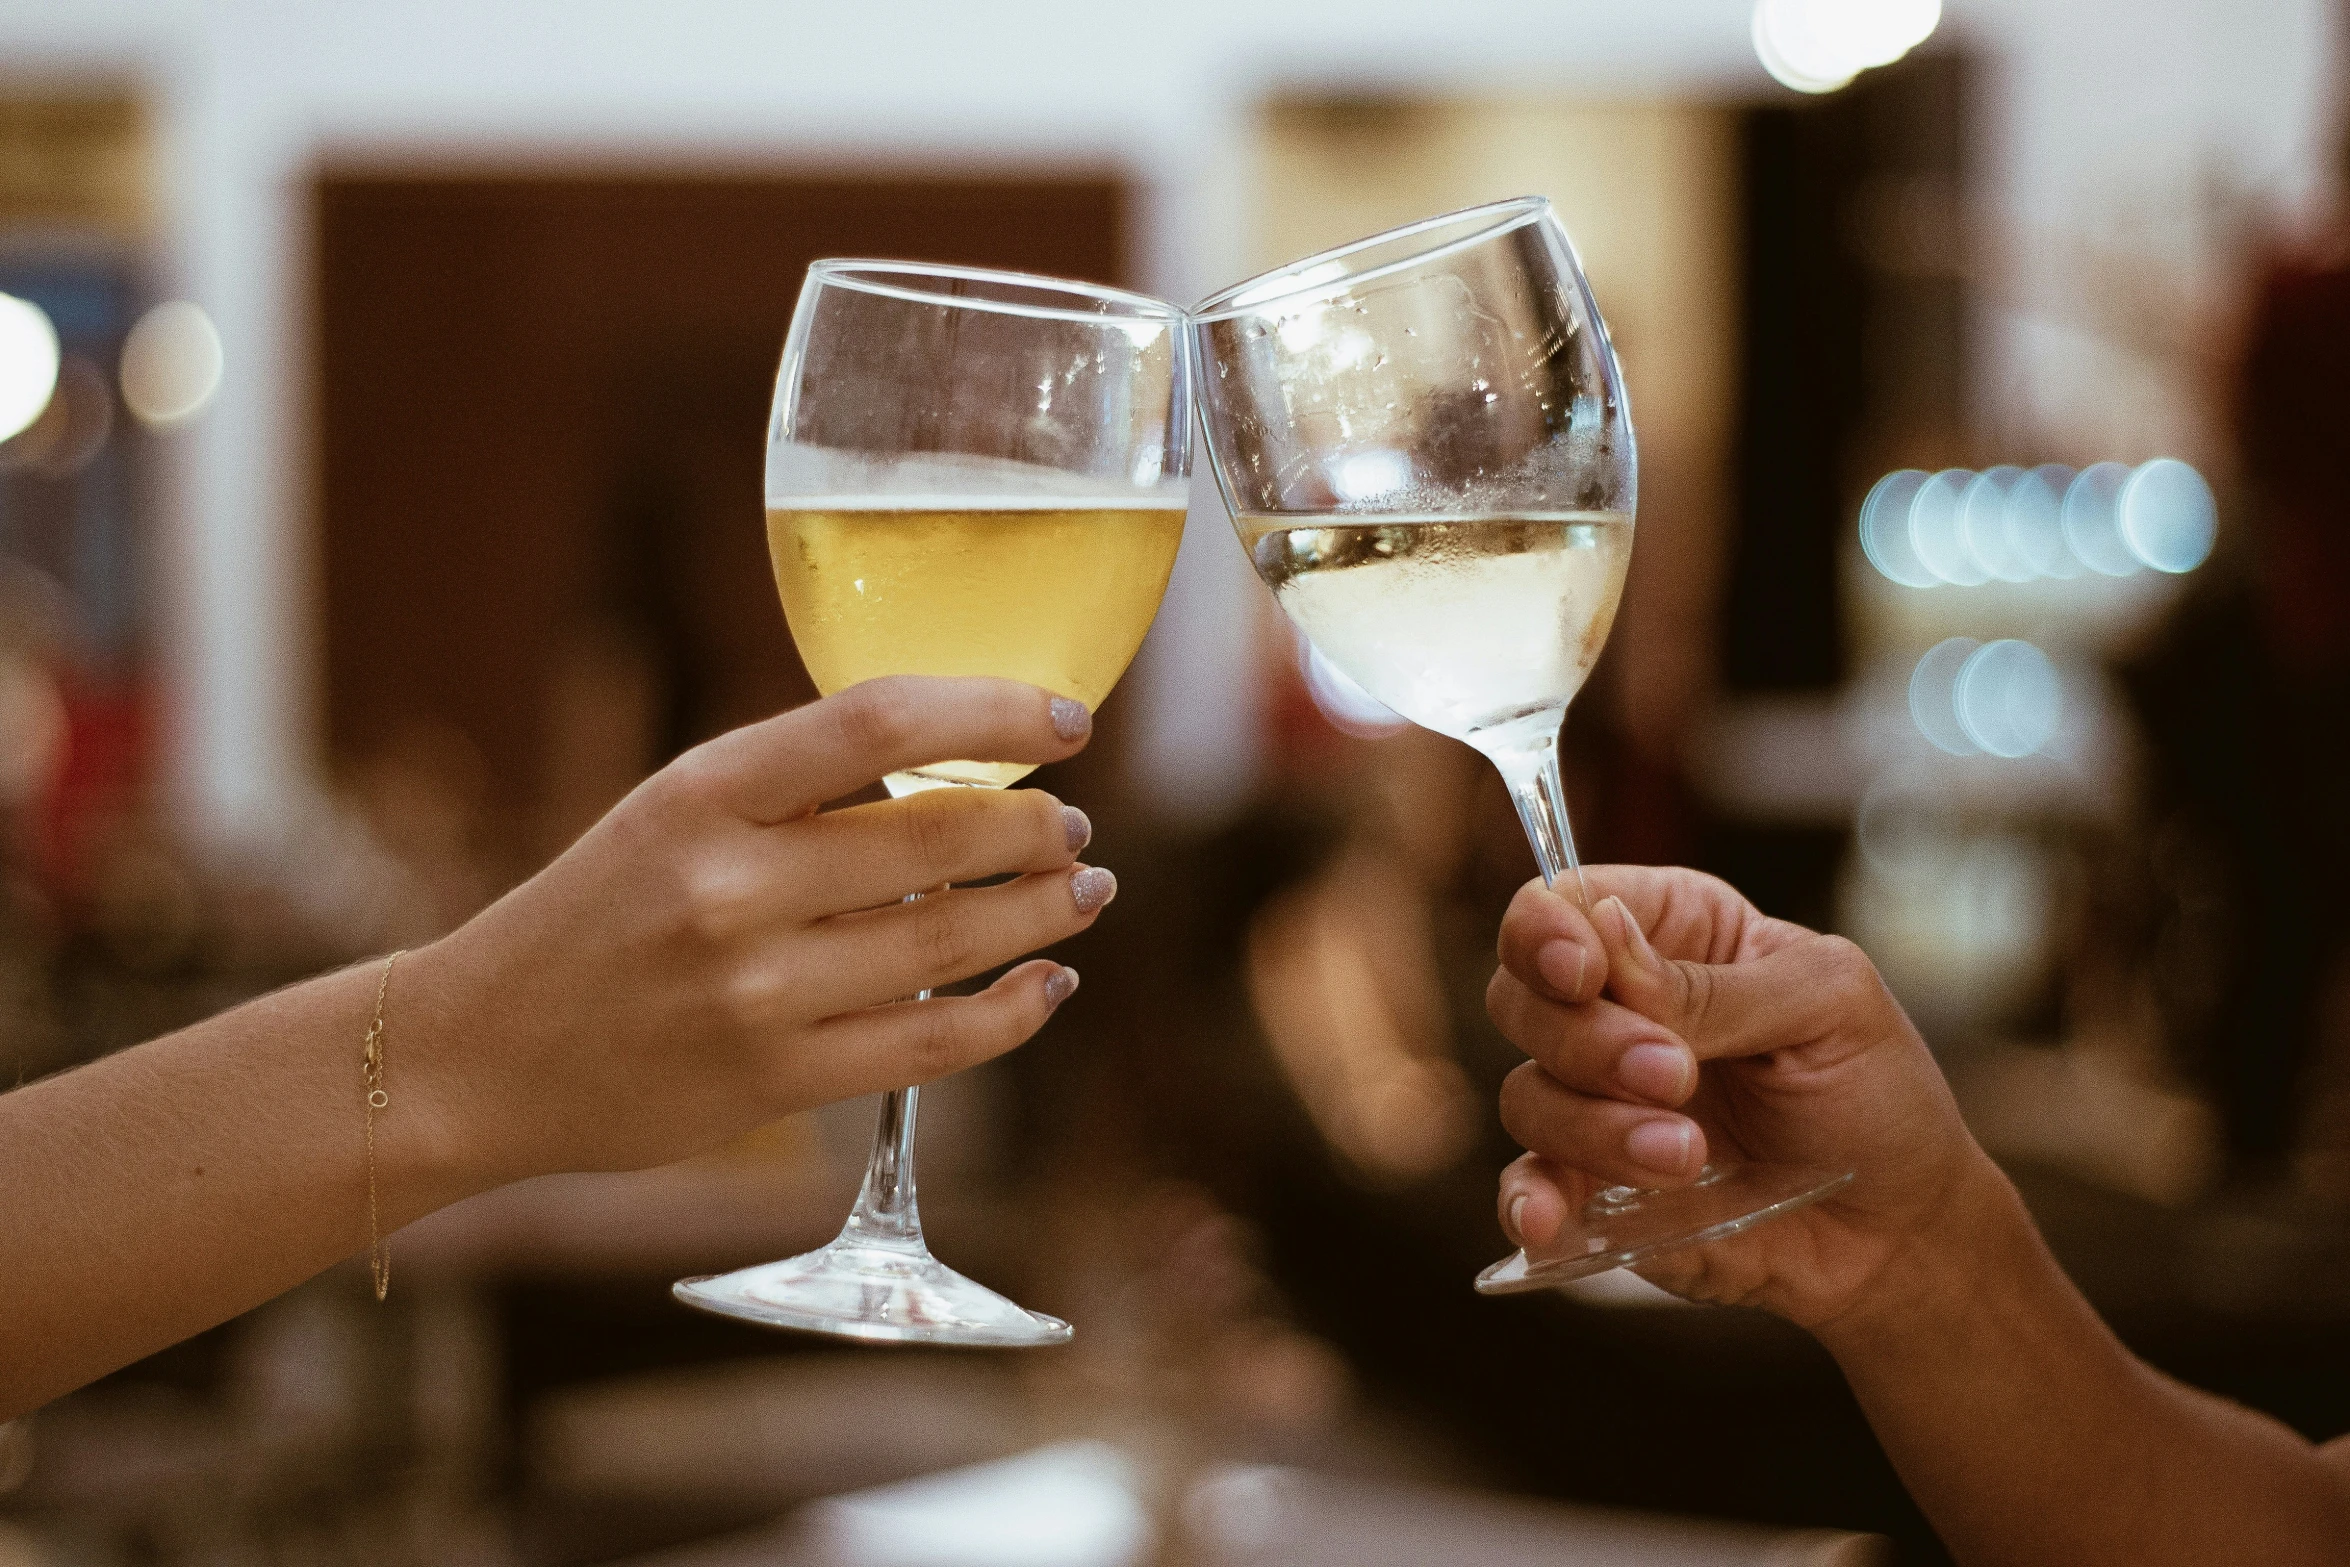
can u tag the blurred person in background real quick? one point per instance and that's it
(710, 956)
(2244, 702)
(2023, 1427)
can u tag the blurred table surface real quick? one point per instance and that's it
(1246, 1515)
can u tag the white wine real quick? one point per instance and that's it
(1463, 625)
(1057, 595)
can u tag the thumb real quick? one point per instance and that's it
(1789, 996)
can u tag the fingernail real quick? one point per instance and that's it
(1562, 963)
(1092, 887)
(1662, 1146)
(1080, 830)
(1517, 1224)
(1071, 721)
(1635, 939)
(1059, 986)
(1659, 1072)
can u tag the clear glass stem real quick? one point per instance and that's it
(1541, 799)
(887, 1213)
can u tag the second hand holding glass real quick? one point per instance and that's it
(1424, 441)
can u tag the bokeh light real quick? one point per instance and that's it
(73, 428)
(2008, 698)
(1884, 528)
(2168, 517)
(1983, 524)
(2010, 524)
(1817, 46)
(171, 363)
(2092, 520)
(1933, 688)
(1934, 532)
(2000, 698)
(2035, 521)
(28, 363)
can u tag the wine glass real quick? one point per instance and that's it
(1425, 445)
(968, 473)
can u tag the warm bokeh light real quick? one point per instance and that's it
(1817, 46)
(28, 363)
(171, 363)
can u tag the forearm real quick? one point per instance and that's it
(169, 1187)
(2031, 1436)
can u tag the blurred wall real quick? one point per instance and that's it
(2100, 99)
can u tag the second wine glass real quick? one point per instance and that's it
(1424, 441)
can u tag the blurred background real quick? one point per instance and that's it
(383, 392)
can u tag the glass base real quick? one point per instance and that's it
(1623, 1225)
(878, 1292)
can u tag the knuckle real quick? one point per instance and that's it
(1852, 985)
(943, 1042)
(1049, 826)
(936, 830)
(747, 1001)
(944, 937)
(1697, 994)
(877, 717)
(713, 904)
(690, 779)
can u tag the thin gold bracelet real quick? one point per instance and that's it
(371, 1075)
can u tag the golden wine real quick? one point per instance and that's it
(1461, 624)
(1058, 596)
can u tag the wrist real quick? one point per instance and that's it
(1976, 1239)
(439, 1131)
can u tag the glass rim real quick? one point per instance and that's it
(1232, 301)
(868, 276)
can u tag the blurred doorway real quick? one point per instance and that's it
(541, 406)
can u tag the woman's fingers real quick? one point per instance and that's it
(1632, 1145)
(860, 960)
(874, 854)
(912, 1042)
(1597, 1048)
(790, 764)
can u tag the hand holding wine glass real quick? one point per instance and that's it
(1427, 449)
(714, 954)
(1807, 1059)
(711, 955)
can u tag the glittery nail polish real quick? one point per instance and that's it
(1092, 887)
